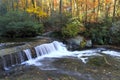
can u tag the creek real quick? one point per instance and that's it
(55, 61)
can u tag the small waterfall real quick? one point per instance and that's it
(20, 54)
(48, 48)
(58, 49)
(44, 49)
(54, 49)
(28, 54)
(11, 58)
(59, 46)
(4, 63)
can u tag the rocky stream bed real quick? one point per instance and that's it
(105, 67)
(68, 69)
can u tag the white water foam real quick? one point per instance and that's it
(58, 50)
(112, 53)
(28, 54)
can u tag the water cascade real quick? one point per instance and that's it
(4, 63)
(28, 54)
(50, 50)
(58, 50)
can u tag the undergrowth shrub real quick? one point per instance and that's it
(19, 24)
(98, 32)
(73, 28)
(115, 33)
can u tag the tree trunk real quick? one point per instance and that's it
(71, 6)
(114, 10)
(86, 12)
(98, 10)
(12, 5)
(60, 7)
(77, 10)
(34, 3)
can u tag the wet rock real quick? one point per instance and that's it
(7, 61)
(70, 64)
(79, 42)
(24, 72)
(33, 52)
(1, 64)
(99, 61)
(74, 43)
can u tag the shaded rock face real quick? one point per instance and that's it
(0, 63)
(11, 60)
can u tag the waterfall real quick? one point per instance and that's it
(11, 58)
(55, 49)
(28, 54)
(21, 56)
(4, 63)
(59, 46)
(58, 50)
(48, 48)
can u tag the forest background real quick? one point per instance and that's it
(98, 20)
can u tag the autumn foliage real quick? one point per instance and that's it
(96, 16)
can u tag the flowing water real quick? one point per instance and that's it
(47, 53)
(58, 50)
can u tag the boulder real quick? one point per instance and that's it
(47, 33)
(75, 42)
